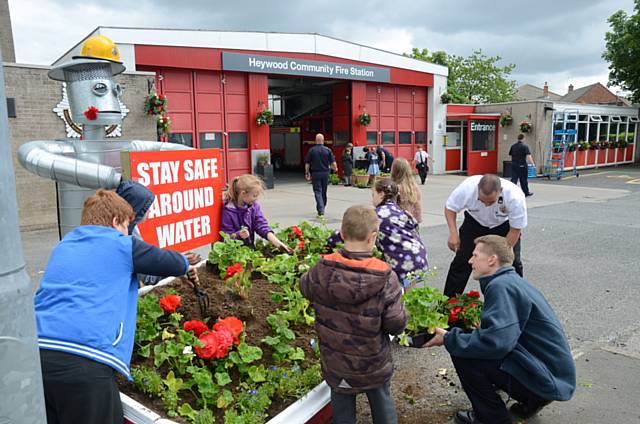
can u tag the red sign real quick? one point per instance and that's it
(188, 189)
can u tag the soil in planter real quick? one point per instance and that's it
(224, 303)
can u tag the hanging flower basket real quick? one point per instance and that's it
(364, 119)
(525, 127)
(264, 117)
(446, 98)
(505, 120)
(164, 125)
(155, 104)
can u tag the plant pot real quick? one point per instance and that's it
(420, 339)
(581, 157)
(611, 155)
(602, 156)
(360, 179)
(591, 157)
(620, 154)
(568, 159)
(629, 153)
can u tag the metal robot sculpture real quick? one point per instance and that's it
(81, 166)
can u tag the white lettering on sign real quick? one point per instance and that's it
(181, 201)
(182, 231)
(161, 172)
(200, 169)
(475, 126)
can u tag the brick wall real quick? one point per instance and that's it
(35, 96)
(598, 94)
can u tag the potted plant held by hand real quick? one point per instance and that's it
(425, 306)
(464, 310)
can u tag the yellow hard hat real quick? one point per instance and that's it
(100, 47)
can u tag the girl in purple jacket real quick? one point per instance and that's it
(242, 216)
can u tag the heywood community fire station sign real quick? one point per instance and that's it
(188, 188)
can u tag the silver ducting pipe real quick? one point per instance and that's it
(21, 393)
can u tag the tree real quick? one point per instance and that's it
(474, 79)
(623, 51)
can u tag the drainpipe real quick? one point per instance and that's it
(21, 393)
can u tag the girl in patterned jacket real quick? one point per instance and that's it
(398, 236)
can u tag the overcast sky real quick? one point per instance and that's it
(559, 41)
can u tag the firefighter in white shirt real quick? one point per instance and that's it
(492, 206)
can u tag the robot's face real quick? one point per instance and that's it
(91, 87)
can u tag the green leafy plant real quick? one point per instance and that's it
(281, 342)
(334, 179)
(264, 117)
(506, 119)
(155, 104)
(525, 127)
(163, 124)
(426, 311)
(446, 98)
(229, 251)
(364, 119)
(361, 184)
(358, 172)
(465, 309)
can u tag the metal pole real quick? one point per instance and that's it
(21, 393)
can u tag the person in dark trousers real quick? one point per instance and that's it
(317, 165)
(421, 162)
(357, 300)
(520, 347)
(492, 206)
(86, 311)
(347, 164)
(520, 157)
(385, 158)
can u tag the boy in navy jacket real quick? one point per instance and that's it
(86, 311)
(520, 346)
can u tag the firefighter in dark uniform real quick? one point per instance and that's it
(317, 165)
(492, 205)
(520, 157)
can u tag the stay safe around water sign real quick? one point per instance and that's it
(188, 189)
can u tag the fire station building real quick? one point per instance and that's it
(217, 83)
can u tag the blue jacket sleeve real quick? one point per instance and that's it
(501, 327)
(149, 259)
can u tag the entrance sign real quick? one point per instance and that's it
(310, 68)
(188, 188)
(482, 126)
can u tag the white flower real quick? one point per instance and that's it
(407, 245)
(395, 237)
(415, 247)
(384, 212)
(407, 265)
(188, 350)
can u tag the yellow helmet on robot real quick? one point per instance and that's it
(100, 47)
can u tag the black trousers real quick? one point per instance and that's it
(383, 409)
(520, 172)
(460, 270)
(423, 171)
(79, 390)
(320, 182)
(481, 379)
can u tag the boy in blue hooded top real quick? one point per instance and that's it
(86, 310)
(520, 347)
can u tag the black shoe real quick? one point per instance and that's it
(467, 417)
(528, 194)
(523, 410)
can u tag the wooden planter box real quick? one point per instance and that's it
(611, 155)
(591, 157)
(629, 153)
(620, 154)
(569, 157)
(581, 157)
(602, 156)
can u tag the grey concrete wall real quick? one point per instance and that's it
(539, 139)
(6, 35)
(35, 96)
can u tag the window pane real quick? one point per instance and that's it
(454, 136)
(211, 140)
(483, 135)
(603, 132)
(593, 132)
(582, 131)
(238, 140)
(340, 138)
(405, 137)
(185, 139)
(421, 137)
(388, 137)
(372, 137)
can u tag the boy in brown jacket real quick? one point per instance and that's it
(357, 299)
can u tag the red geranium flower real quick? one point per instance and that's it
(453, 314)
(210, 347)
(233, 324)
(301, 244)
(233, 270)
(196, 327)
(225, 341)
(297, 231)
(91, 113)
(170, 303)
(452, 300)
(474, 293)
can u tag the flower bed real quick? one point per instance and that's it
(252, 356)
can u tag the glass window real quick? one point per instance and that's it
(276, 105)
(238, 140)
(340, 138)
(388, 137)
(584, 118)
(372, 138)
(615, 119)
(613, 132)
(633, 119)
(211, 140)
(572, 117)
(483, 135)
(595, 118)
(603, 132)
(631, 133)
(186, 139)
(404, 137)
(593, 132)
(421, 137)
(582, 131)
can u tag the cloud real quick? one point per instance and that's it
(548, 40)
